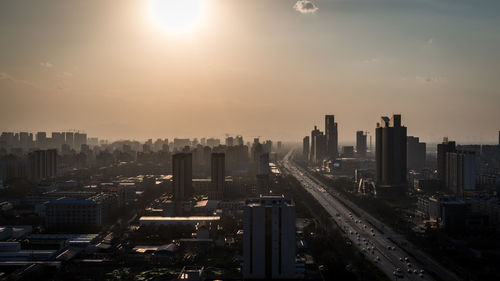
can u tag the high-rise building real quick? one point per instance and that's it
(239, 140)
(213, 142)
(229, 141)
(361, 143)
(460, 171)
(391, 152)
(218, 169)
(79, 139)
(42, 164)
(331, 135)
(269, 238)
(41, 140)
(348, 151)
(442, 150)
(182, 176)
(57, 140)
(318, 145)
(305, 148)
(416, 153)
(319, 151)
(69, 139)
(26, 140)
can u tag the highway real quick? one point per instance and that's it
(366, 233)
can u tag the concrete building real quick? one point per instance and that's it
(361, 144)
(42, 164)
(442, 150)
(67, 212)
(416, 153)
(269, 238)
(218, 171)
(391, 152)
(182, 176)
(331, 135)
(305, 148)
(460, 172)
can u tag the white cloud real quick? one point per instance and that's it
(431, 80)
(46, 64)
(305, 6)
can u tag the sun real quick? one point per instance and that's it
(177, 16)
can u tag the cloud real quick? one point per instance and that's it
(11, 79)
(6, 77)
(431, 80)
(46, 64)
(305, 6)
(430, 41)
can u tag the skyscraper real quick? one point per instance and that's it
(305, 148)
(42, 164)
(460, 171)
(69, 139)
(391, 152)
(79, 139)
(182, 176)
(442, 150)
(229, 141)
(218, 171)
(318, 145)
(269, 238)
(319, 151)
(331, 135)
(361, 143)
(416, 153)
(41, 140)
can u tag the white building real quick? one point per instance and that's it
(269, 238)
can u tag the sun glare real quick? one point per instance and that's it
(177, 16)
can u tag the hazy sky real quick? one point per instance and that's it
(270, 68)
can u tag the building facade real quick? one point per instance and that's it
(269, 238)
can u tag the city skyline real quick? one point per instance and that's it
(127, 73)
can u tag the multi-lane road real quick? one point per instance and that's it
(366, 233)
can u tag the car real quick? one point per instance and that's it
(421, 275)
(409, 270)
(400, 259)
(406, 258)
(373, 234)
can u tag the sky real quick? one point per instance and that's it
(140, 69)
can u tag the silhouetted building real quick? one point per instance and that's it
(391, 152)
(460, 171)
(42, 164)
(269, 238)
(348, 151)
(218, 169)
(305, 148)
(41, 140)
(229, 141)
(318, 145)
(442, 150)
(65, 213)
(331, 135)
(361, 143)
(416, 153)
(69, 139)
(79, 139)
(182, 176)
